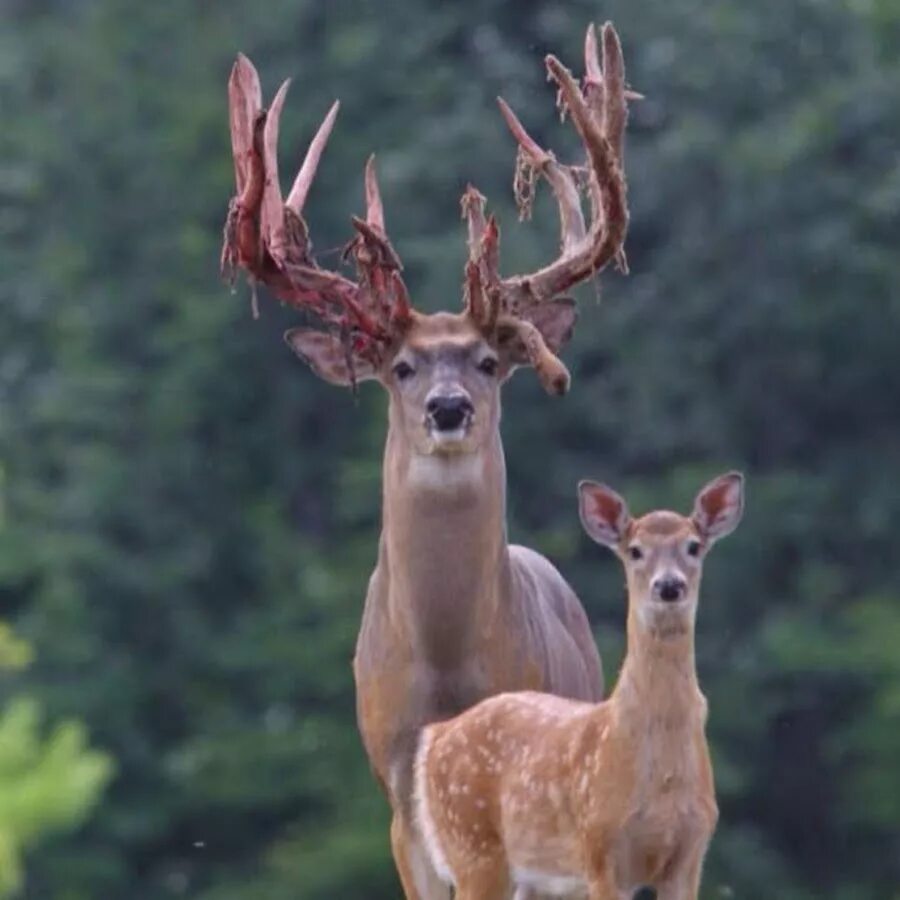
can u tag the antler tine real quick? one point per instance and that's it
(374, 206)
(303, 182)
(482, 292)
(472, 206)
(615, 109)
(377, 261)
(375, 248)
(272, 212)
(559, 177)
(244, 105)
(611, 116)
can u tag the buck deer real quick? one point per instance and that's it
(532, 790)
(453, 613)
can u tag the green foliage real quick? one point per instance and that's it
(190, 517)
(14, 652)
(47, 783)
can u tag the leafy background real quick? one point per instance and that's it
(189, 517)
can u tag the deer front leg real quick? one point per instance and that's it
(684, 883)
(602, 884)
(419, 880)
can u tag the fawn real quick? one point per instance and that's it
(535, 792)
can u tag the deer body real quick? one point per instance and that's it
(530, 790)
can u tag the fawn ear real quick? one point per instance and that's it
(603, 512)
(719, 506)
(326, 355)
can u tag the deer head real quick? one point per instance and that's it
(443, 371)
(663, 552)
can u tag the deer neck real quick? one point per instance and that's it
(443, 546)
(658, 686)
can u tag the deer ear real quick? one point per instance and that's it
(719, 506)
(603, 512)
(555, 320)
(326, 355)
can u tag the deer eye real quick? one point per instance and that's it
(403, 370)
(488, 366)
(635, 552)
(693, 548)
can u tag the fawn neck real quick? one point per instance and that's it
(443, 545)
(658, 683)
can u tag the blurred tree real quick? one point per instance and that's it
(191, 516)
(47, 783)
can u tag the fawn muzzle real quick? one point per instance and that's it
(669, 588)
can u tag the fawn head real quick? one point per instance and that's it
(662, 551)
(442, 371)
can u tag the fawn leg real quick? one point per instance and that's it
(489, 880)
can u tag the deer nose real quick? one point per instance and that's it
(450, 411)
(670, 588)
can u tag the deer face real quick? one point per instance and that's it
(444, 383)
(443, 373)
(663, 551)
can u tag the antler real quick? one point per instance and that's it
(269, 239)
(599, 114)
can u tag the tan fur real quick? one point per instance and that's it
(587, 799)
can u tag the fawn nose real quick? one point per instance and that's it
(669, 588)
(448, 412)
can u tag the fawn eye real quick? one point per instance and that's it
(693, 548)
(488, 366)
(403, 370)
(635, 552)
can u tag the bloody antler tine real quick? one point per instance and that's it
(303, 182)
(615, 110)
(272, 212)
(571, 96)
(472, 207)
(592, 71)
(489, 252)
(375, 238)
(374, 206)
(402, 310)
(571, 218)
(537, 153)
(244, 104)
(475, 300)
